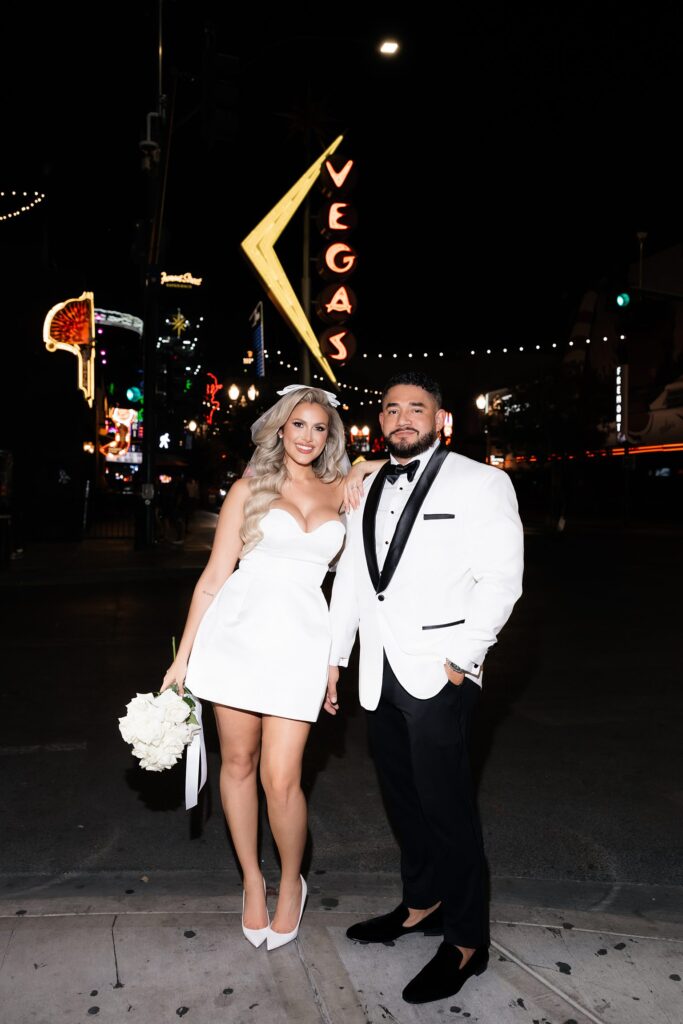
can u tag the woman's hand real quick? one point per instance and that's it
(176, 674)
(331, 704)
(353, 482)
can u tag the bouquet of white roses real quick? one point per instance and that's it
(159, 726)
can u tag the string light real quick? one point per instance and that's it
(506, 349)
(17, 197)
(472, 352)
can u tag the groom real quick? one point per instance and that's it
(430, 573)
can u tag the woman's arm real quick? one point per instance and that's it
(353, 481)
(225, 552)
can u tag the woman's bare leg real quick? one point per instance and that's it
(239, 733)
(281, 756)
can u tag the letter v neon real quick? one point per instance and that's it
(339, 177)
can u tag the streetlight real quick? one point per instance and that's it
(360, 437)
(482, 404)
(491, 403)
(388, 47)
(235, 392)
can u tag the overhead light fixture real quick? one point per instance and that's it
(388, 47)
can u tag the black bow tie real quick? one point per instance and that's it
(396, 471)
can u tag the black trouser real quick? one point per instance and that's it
(420, 748)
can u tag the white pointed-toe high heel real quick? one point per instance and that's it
(275, 939)
(256, 935)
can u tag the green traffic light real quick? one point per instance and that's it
(133, 394)
(623, 299)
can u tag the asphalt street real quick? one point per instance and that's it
(577, 743)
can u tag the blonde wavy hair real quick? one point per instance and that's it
(268, 472)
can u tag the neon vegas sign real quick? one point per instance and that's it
(337, 302)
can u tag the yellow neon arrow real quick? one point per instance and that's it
(259, 247)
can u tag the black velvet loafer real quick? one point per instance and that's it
(442, 976)
(390, 926)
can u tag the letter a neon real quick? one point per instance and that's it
(340, 302)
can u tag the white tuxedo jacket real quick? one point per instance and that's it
(451, 576)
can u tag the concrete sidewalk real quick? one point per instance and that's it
(123, 947)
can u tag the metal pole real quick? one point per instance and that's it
(627, 455)
(641, 236)
(145, 532)
(160, 50)
(305, 370)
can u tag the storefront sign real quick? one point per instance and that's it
(70, 326)
(180, 280)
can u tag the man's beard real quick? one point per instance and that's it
(406, 449)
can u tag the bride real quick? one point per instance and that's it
(257, 636)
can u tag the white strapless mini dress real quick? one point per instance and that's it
(264, 642)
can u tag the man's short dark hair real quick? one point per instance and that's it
(418, 380)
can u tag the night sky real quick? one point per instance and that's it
(507, 158)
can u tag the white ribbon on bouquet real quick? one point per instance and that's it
(195, 761)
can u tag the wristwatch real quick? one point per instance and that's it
(456, 668)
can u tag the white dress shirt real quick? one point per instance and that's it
(393, 500)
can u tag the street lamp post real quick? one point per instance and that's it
(241, 392)
(482, 404)
(155, 161)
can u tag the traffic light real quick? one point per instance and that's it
(623, 299)
(134, 394)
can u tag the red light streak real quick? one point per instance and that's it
(211, 390)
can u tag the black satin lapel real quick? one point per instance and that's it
(369, 515)
(408, 517)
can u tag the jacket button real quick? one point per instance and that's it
(380, 597)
